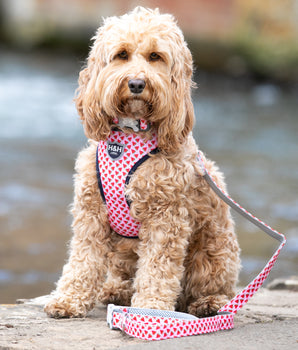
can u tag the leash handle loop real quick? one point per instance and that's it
(156, 325)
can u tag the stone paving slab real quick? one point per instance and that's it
(268, 321)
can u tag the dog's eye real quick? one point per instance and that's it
(154, 57)
(123, 55)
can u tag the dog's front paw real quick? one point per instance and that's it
(64, 308)
(141, 301)
(207, 306)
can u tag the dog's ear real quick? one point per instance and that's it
(174, 129)
(95, 121)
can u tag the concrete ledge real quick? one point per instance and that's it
(268, 321)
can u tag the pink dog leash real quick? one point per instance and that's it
(151, 324)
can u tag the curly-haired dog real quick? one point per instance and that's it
(137, 86)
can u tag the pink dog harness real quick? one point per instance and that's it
(116, 161)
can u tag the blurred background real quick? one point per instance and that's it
(246, 59)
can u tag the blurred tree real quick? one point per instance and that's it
(233, 36)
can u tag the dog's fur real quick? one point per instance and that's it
(187, 256)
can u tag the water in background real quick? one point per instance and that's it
(250, 132)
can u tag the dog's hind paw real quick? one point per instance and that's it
(207, 306)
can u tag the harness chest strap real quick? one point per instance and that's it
(149, 324)
(116, 161)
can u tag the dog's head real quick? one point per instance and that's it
(139, 67)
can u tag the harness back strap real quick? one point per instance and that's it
(154, 324)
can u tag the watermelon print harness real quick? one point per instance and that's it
(116, 161)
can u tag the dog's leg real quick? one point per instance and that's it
(211, 270)
(78, 288)
(117, 288)
(83, 275)
(160, 266)
(212, 262)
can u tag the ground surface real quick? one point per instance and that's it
(268, 321)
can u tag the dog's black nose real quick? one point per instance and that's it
(136, 86)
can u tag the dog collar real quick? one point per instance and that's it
(134, 124)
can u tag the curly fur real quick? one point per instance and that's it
(187, 256)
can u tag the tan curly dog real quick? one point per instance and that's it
(186, 256)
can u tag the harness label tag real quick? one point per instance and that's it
(115, 150)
